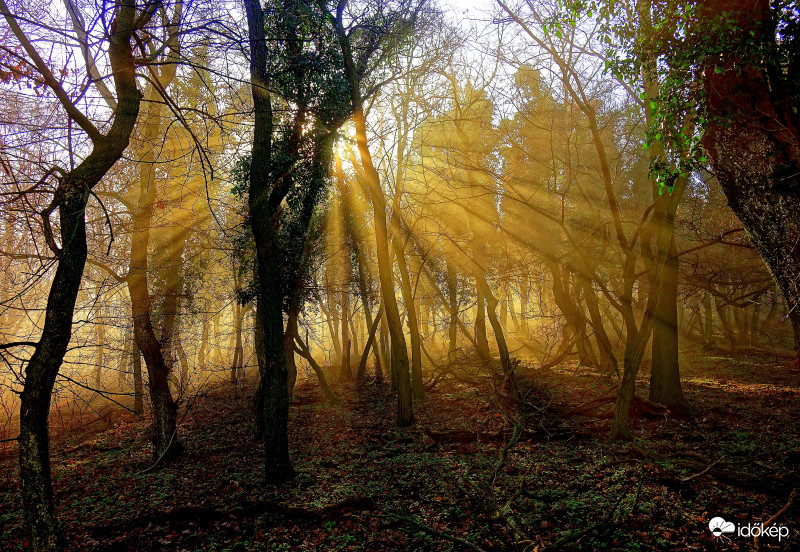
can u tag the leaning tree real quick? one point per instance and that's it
(69, 182)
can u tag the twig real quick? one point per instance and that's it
(777, 516)
(419, 525)
(705, 471)
(166, 449)
(577, 534)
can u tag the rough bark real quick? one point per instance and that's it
(70, 199)
(665, 380)
(753, 141)
(274, 373)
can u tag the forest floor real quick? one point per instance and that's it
(451, 482)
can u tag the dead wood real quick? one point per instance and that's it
(410, 520)
(640, 408)
(721, 472)
(777, 516)
(451, 436)
(205, 515)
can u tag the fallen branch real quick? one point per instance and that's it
(639, 408)
(203, 514)
(777, 516)
(705, 471)
(419, 525)
(715, 469)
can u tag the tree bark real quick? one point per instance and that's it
(665, 379)
(452, 308)
(70, 198)
(412, 320)
(753, 141)
(274, 375)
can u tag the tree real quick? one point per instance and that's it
(367, 39)
(70, 198)
(749, 90)
(288, 170)
(164, 437)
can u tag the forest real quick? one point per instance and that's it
(399, 275)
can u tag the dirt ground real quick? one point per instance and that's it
(460, 479)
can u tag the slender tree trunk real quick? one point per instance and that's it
(362, 365)
(708, 319)
(608, 363)
(346, 371)
(452, 296)
(509, 377)
(754, 326)
(274, 374)
(288, 340)
(303, 350)
(42, 369)
(480, 322)
(100, 361)
(412, 321)
(399, 353)
(163, 435)
(238, 322)
(184, 362)
(138, 383)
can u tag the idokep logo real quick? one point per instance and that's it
(721, 528)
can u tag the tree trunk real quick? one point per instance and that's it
(412, 321)
(288, 340)
(708, 320)
(399, 353)
(184, 362)
(665, 379)
(452, 296)
(238, 322)
(608, 364)
(274, 374)
(346, 371)
(138, 383)
(362, 365)
(753, 141)
(480, 320)
(42, 369)
(41, 372)
(164, 408)
(303, 351)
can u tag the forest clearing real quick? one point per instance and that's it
(399, 275)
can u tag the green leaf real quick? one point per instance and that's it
(719, 70)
